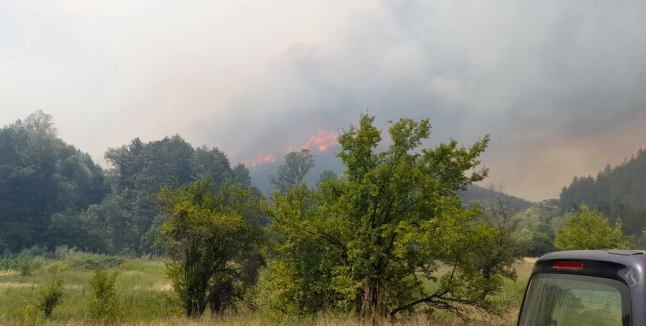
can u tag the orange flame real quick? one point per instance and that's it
(322, 141)
(262, 159)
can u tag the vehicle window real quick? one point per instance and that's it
(574, 300)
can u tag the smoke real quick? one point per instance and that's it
(558, 85)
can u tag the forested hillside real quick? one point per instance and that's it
(475, 192)
(617, 192)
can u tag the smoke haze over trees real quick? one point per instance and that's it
(558, 85)
(54, 194)
(219, 136)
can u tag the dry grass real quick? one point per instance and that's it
(17, 285)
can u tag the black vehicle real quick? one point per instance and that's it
(587, 287)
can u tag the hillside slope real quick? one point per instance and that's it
(475, 192)
(618, 191)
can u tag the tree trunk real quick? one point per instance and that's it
(374, 303)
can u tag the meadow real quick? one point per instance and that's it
(145, 296)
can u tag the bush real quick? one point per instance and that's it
(49, 297)
(85, 260)
(105, 303)
(24, 265)
(57, 267)
(92, 261)
(5, 263)
(590, 230)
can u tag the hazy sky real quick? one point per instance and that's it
(559, 85)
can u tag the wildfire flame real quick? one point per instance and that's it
(263, 159)
(322, 141)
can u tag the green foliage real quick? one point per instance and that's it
(105, 304)
(53, 194)
(618, 191)
(477, 193)
(542, 241)
(25, 265)
(292, 172)
(367, 242)
(42, 176)
(50, 296)
(209, 238)
(324, 176)
(589, 230)
(492, 259)
(57, 267)
(91, 261)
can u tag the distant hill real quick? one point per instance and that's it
(475, 192)
(618, 191)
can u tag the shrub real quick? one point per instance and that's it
(91, 261)
(63, 252)
(5, 263)
(86, 260)
(590, 230)
(57, 267)
(49, 297)
(105, 303)
(24, 265)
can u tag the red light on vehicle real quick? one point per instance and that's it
(567, 265)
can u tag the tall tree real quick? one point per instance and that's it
(41, 176)
(211, 162)
(324, 176)
(292, 172)
(493, 259)
(370, 241)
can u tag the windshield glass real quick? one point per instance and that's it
(575, 300)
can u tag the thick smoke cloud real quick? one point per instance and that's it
(558, 85)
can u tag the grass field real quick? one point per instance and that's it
(146, 297)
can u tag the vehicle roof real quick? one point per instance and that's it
(630, 258)
(628, 266)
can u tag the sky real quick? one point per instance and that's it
(558, 85)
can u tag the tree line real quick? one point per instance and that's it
(53, 194)
(616, 192)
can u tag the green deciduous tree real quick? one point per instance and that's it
(370, 240)
(324, 176)
(590, 230)
(210, 242)
(492, 260)
(292, 172)
(41, 176)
